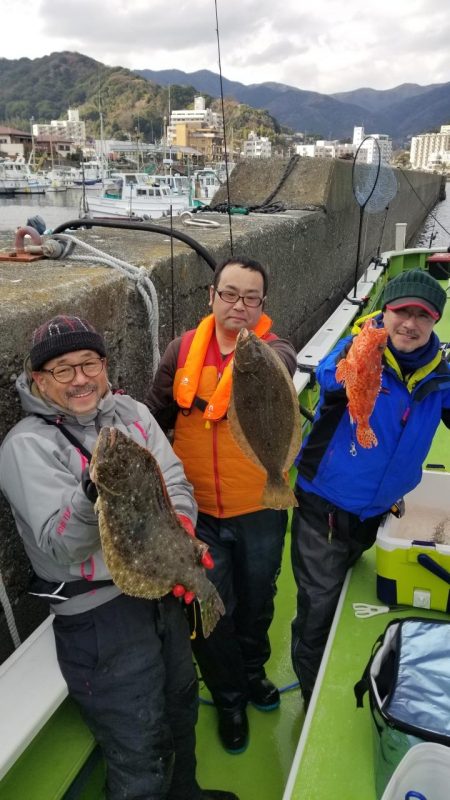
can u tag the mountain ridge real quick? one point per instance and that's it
(137, 101)
(395, 111)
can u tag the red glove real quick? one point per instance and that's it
(179, 590)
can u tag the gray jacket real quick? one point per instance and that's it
(40, 476)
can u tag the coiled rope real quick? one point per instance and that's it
(62, 245)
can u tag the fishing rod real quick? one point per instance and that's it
(224, 131)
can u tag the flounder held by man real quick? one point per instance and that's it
(145, 547)
(264, 415)
(360, 372)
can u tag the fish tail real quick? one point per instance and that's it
(278, 496)
(366, 436)
(211, 609)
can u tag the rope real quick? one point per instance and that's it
(266, 207)
(9, 616)
(186, 218)
(62, 245)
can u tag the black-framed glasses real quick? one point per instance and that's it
(233, 297)
(66, 372)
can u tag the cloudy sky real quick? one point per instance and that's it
(321, 45)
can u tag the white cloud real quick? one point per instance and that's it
(325, 45)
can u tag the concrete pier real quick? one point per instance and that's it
(309, 250)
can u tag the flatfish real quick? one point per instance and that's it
(264, 415)
(361, 372)
(145, 547)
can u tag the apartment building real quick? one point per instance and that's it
(374, 143)
(71, 128)
(195, 118)
(429, 150)
(257, 146)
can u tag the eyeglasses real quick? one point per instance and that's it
(66, 373)
(233, 297)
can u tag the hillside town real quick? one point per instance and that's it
(193, 138)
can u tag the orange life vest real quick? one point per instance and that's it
(226, 483)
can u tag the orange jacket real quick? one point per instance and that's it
(226, 483)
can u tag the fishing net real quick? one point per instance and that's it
(374, 185)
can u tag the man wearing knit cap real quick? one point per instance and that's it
(344, 490)
(126, 660)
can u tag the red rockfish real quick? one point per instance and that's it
(360, 372)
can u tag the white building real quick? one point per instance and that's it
(358, 135)
(199, 115)
(257, 146)
(71, 128)
(374, 142)
(305, 150)
(325, 149)
(430, 149)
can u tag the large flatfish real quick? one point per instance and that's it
(360, 372)
(264, 415)
(145, 547)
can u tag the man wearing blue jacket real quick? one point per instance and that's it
(344, 490)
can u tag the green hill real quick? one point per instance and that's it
(44, 88)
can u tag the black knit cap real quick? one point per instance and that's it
(415, 287)
(63, 335)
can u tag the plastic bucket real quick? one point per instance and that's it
(423, 774)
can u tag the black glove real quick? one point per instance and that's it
(88, 486)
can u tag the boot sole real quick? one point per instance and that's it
(236, 752)
(272, 707)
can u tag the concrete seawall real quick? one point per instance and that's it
(309, 250)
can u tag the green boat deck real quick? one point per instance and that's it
(262, 770)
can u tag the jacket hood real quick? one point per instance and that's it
(33, 403)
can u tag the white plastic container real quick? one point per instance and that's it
(413, 565)
(423, 774)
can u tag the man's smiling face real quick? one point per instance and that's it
(82, 393)
(409, 327)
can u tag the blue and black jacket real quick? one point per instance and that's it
(406, 415)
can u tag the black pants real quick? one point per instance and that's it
(247, 552)
(128, 665)
(326, 541)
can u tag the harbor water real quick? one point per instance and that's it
(436, 229)
(54, 208)
(58, 207)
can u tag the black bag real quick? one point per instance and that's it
(408, 681)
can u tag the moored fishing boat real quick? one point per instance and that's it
(134, 194)
(32, 691)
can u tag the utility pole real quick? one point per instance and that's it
(33, 154)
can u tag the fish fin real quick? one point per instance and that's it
(341, 371)
(211, 610)
(278, 496)
(239, 436)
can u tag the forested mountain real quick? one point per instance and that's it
(136, 102)
(44, 88)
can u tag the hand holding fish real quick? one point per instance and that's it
(143, 540)
(206, 560)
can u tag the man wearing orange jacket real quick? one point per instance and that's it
(190, 394)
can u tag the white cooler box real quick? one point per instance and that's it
(413, 552)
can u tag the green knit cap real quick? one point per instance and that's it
(415, 287)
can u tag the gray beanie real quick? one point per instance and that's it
(63, 335)
(415, 287)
